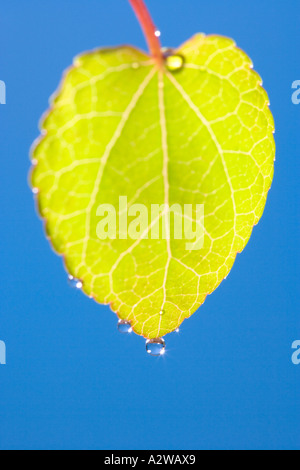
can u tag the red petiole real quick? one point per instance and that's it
(149, 29)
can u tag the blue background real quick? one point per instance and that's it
(71, 380)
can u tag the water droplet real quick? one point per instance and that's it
(124, 327)
(135, 65)
(75, 283)
(162, 312)
(177, 330)
(156, 347)
(157, 33)
(35, 190)
(174, 62)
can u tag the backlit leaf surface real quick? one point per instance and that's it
(199, 135)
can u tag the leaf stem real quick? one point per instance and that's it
(149, 29)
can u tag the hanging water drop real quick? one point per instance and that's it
(124, 327)
(156, 347)
(157, 33)
(35, 191)
(75, 283)
(174, 62)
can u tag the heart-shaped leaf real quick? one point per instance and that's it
(121, 131)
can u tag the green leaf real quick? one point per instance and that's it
(200, 132)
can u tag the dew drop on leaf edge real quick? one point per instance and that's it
(74, 283)
(156, 347)
(124, 327)
(173, 61)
